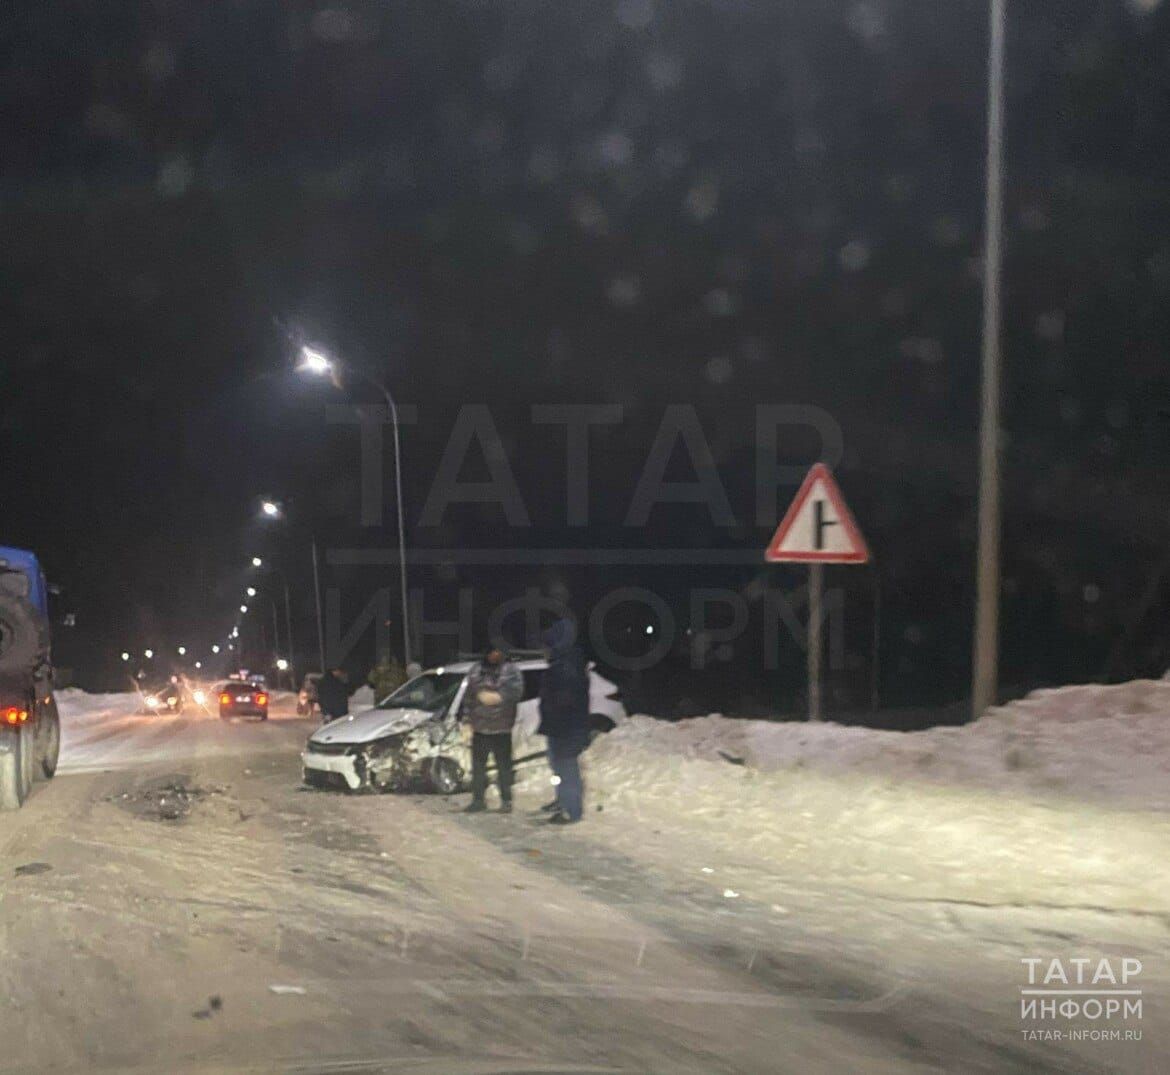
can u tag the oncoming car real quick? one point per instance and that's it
(414, 738)
(167, 699)
(242, 699)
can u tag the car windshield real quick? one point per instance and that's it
(432, 691)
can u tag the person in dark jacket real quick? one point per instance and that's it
(333, 695)
(564, 716)
(494, 689)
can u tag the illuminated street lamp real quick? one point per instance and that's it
(273, 510)
(182, 651)
(125, 656)
(257, 562)
(244, 609)
(281, 664)
(251, 591)
(148, 654)
(215, 649)
(315, 362)
(319, 364)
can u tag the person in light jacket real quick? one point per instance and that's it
(494, 689)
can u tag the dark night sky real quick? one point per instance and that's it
(716, 203)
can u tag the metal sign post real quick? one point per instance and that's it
(816, 575)
(817, 529)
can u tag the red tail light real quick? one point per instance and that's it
(14, 714)
(225, 699)
(262, 699)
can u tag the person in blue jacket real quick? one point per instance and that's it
(564, 716)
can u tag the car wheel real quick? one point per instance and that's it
(48, 740)
(444, 776)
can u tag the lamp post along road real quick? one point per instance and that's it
(292, 657)
(317, 363)
(985, 666)
(317, 598)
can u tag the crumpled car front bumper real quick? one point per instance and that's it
(340, 764)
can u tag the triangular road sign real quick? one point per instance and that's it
(818, 528)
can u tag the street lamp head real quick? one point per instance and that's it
(244, 608)
(257, 562)
(251, 591)
(282, 664)
(271, 509)
(215, 649)
(148, 654)
(313, 361)
(125, 656)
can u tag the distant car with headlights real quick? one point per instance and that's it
(167, 699)
(413, 738)
(239, 698)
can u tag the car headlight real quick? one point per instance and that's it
(152, 703)
(200, 697)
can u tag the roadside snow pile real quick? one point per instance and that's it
(1090, 742)
(78, 707)
(1060, 799)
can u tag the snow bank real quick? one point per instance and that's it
(78, 707)
(1089, 742)
(1061, 799)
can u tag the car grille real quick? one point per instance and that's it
(330, 748)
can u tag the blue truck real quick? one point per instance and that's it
(30, 727)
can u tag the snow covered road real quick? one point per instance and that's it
(175, 872)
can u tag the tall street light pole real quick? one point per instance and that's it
(270, 509)
(313, 361)
(985, 671)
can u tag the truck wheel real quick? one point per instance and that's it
(48, 740)
(24, 636)
(28, 754)
(13, 790)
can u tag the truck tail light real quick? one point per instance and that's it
(262, 699)
(225, 699)
(14, 714)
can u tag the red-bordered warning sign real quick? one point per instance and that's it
(818, 528)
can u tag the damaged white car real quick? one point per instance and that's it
(414, 739)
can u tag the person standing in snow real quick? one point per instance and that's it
(493, 691)
(333, 695)
(564, 717)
